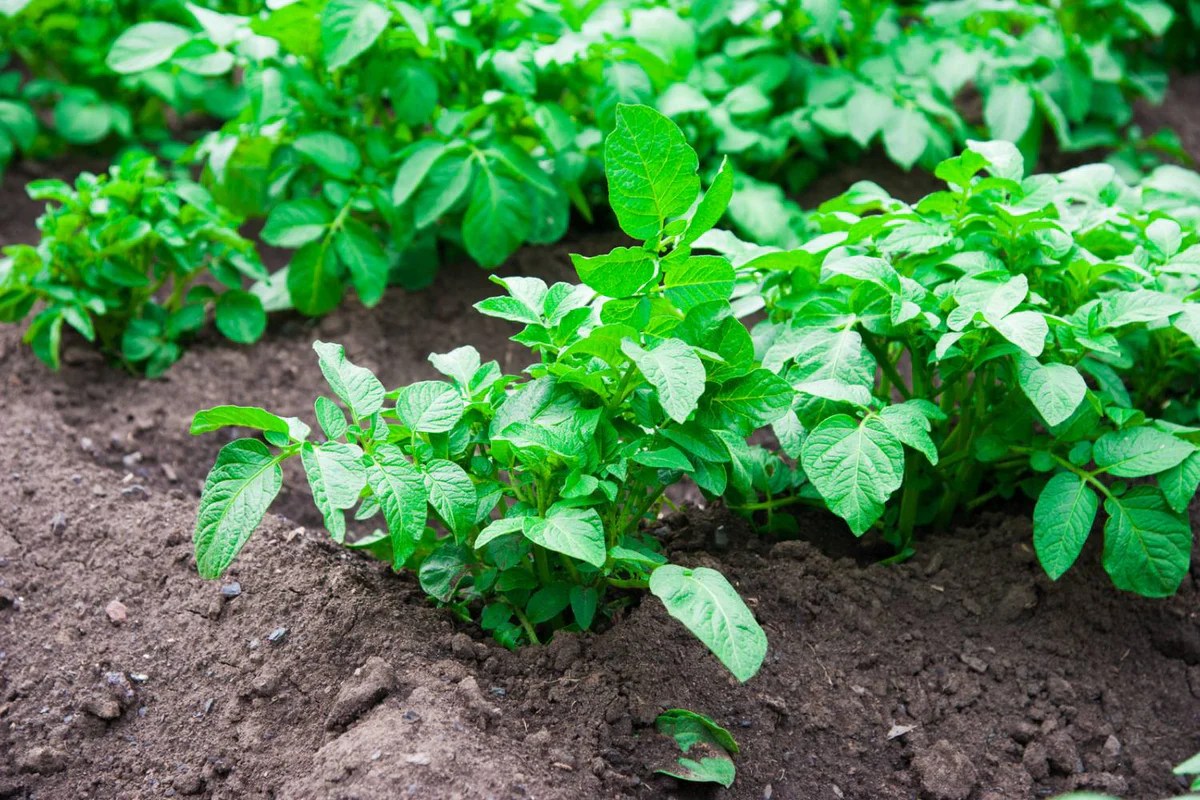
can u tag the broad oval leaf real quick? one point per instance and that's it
(212, 419)
(400, 490)
(708, 606)
(349, 27)
(652, 172)
(674, 370)
(1062, 520)
(855, 466)
(430, 406)
(1147, 547)
(1137, 452)
(1055, 390)
(576, 532)
(145, 46)
(336, 476)
(239, 489)
(357, 387)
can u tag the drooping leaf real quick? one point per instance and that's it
(1062, 520)
(1147, 546)
(241, 486)
(708, 606)
(674, 370)
(855, 466)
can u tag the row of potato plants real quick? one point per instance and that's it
(372, 134)
(1007, 335)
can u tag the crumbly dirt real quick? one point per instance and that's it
(312, 672)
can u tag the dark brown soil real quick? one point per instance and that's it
(962, 675)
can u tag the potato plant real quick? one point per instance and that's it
(57, 89)
(542, 482)
(377, 133)
(134, 260)
(1005, 335)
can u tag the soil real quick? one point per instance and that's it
(313, 672)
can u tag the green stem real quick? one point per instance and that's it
(885, 363)
(632, 583)
(527, 625)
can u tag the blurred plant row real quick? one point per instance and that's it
(377, 137)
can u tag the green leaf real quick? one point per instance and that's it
(652, 172)
(418, 161)
(708, 606)
(711, 762)
(218, 417)
(360, 250)
(1147, 547)
(145, 46)
(1179, 483)
(1026, 329)
(698, 280)
(400, 489)
(451, 493)
(624, 272)
(1005, 159)
(584, 601)
(332, 153)
(1008, 110)
(330, 417)
(576, 532)
(240, 316)
(356, 386)
(761, 397)
(1062, 520)
(313, 283)
(906, 136)
(1055, 390)
(664, 458)
(239, 489)
(911, 427)
(295, 223)
(712, 206)
(337, 477)
(855, 466)
(498, 219)
(1136, 452)
(430, 406)
(674, 370)
(349, 27)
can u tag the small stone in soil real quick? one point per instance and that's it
(169, 471)
(105, 708)
(498, 691)
(277, 636)
(138, 677)
(116, 611)
(135, 492)
(231, 590)
(410, 717)
(58, 525)
(419, 759)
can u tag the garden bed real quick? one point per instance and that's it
(963, 673)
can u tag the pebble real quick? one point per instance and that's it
(169, 471)
(277, 636)
(974, 662)
(117, 612)
(135, 492)
(231, 590)
(58, 525)
(132, 460)
(419, 759)
(1111, 752)
(105, 708)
